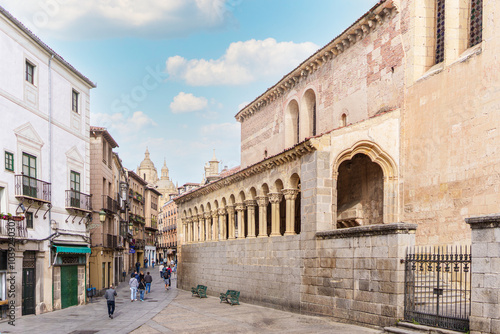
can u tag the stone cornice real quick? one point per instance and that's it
(290, 154)
(368, 230)
(375, 17)
(483, 222)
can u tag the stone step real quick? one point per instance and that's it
(410, 328)
(426, 329)
(399, 330)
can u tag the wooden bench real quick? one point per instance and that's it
(200, 291)
(231, 296)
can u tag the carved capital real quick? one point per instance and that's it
(222, 212)
(290, 194)
(275, 197)
(215, 214)
(230, 209)
(250, 202)
(240, 207)
(207, 215)
(262, 200)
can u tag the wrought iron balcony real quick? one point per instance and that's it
(109, 204)
(32, 189)
(76, 200)
(17, 227)
(139, 243)
(111, 241)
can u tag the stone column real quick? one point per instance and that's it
(290, 195)
(262, 201)
(485, 266)
(251, 204)
(215, 222)
(222, 223)
(230, 211)
(240, 209)
(275, 199)
(208, 217)
(190, 230)
(202, 227)
(195, 229)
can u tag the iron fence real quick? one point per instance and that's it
(437, 286)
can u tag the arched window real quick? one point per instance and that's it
(308, 110)
(343, 120)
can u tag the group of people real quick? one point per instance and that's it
(139, 282)
(142, 283)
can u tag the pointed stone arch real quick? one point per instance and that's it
(390, 177)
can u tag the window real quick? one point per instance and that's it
(74, 104)
(343, 120)
(29, 219)
(29, 175)
(74, 184)
(9, 161)
(476, 22)
(439, 31)
(30, 72)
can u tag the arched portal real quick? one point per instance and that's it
(366, 188)
(292, 124)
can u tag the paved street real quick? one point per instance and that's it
(174, 311)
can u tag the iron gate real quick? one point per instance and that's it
(437, 286)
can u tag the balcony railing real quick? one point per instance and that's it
(13, 228)
(79, 201)
(137, 218)
(32, 188)
(109, 204)
(139, 243)
(111, 241)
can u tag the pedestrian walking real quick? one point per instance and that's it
(137, 266)
(145, 263)
(133, 283)
(153, 262)
(166, 277)
(142, 288)
(110, 297)
(148, 279)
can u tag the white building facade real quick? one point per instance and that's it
(45, 175)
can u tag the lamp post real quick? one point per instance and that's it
(102, 216)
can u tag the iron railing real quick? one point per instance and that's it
(78, 200)
(109, 204)
(27, 186)
(11, 228)
(111, 241)
(437, 287)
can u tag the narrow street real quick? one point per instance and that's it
(174, 311)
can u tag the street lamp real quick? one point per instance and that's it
(102, 216)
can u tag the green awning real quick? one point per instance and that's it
(73, 249)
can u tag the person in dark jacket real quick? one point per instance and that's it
(110, 297)
(148, 279)
(142, 288)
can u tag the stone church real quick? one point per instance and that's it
(148, 172)
(385, 138)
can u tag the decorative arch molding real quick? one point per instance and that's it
(389, 169)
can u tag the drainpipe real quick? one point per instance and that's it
(50, 132)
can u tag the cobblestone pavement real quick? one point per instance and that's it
(174, 311)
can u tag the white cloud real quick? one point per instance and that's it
(242, 63)
(114, 18)
(121, 124)
(222, 131)
(242, 105)
(183, 103)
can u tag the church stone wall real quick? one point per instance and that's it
(366, 79)
(265, 270)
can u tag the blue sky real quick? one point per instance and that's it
(171, 74)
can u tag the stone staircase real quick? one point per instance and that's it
(409, 328)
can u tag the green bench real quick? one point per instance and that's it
(231, 296)
(200, 291)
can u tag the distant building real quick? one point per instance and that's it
(45, 174)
